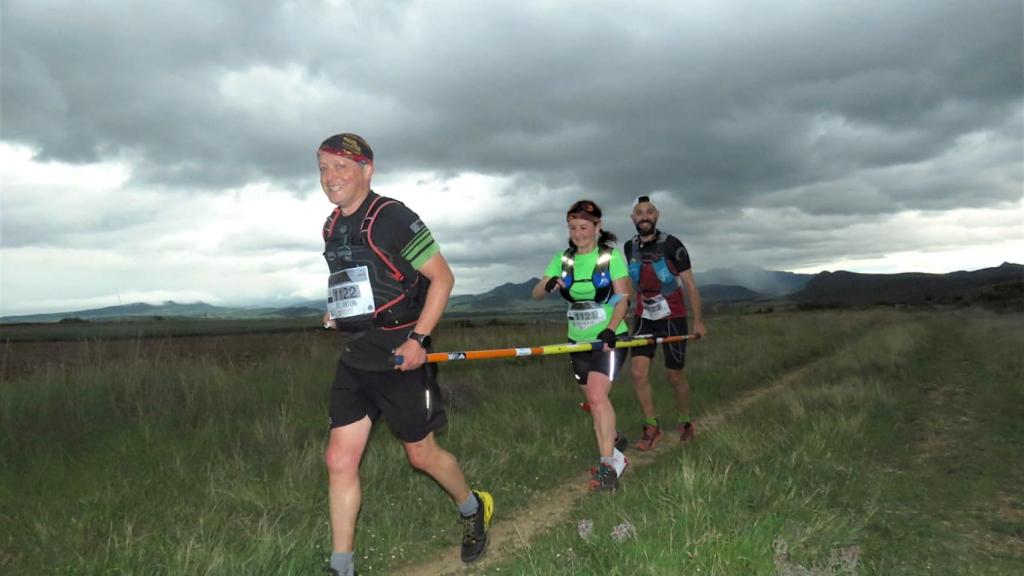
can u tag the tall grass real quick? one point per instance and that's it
(857, 465)
(162, 463)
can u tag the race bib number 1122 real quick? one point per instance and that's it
(349, 293)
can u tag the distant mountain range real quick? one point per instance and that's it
(736, 284)
(517, 298)
(759, 280)
(719, 285)
(170, 309)
(911, 288)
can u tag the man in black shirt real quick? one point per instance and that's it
(388, 288)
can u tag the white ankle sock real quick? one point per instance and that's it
(618, 461)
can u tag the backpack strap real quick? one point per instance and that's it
(604, 258)
(329, 224)
(604, 261)
(366, 227)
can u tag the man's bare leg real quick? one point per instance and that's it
(344, 452)
(427, 456)
(641, 368)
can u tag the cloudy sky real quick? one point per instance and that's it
(165, 151)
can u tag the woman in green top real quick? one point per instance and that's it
(592, 275)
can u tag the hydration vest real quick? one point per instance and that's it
(655, 258)
(399, 290)
(600, 278)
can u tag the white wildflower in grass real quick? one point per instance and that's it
(623, 531)
(585, 528)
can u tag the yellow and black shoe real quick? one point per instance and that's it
(474, 528)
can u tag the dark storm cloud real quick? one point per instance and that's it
(92, 81)
(720, 114)
(819, 104)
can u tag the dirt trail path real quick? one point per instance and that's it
(511, 533)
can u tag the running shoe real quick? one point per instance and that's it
(652, 435)
(686, 432)
(621, 442)
(603, 479)
(625, 466)
(474, 528)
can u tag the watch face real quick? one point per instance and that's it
(423, 339)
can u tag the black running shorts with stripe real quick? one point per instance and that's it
(607, 363)
(675, 352)
(401, 397)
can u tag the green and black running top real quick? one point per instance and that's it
(588, 279)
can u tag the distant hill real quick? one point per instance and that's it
(168, 309)
(999, 286)
(511, 297)
(768, 282)
(133, 310)
(851, 288)
(517, 298)
(726, 293)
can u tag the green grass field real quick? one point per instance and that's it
(830, 442)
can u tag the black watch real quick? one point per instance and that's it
(423, 339)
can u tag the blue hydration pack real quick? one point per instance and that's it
(656, 259)
(601, 278)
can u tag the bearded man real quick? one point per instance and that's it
(660, 269)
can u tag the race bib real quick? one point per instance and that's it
(583, 315)
(655, 308)
(349, 293)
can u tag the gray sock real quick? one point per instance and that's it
(470, 506)
(342, 563)
(608, 461)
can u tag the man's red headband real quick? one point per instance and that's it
(347, 154)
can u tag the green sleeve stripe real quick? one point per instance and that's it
(420, 248)
(425, 255)
(422, 239)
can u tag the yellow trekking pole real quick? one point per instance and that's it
(567, 348)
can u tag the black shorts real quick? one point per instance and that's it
(402, 397)
(675, 352)
(607, 363)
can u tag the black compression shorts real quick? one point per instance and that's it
(607, 363)
(675, 352)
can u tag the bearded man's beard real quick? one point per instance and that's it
(645, 227)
